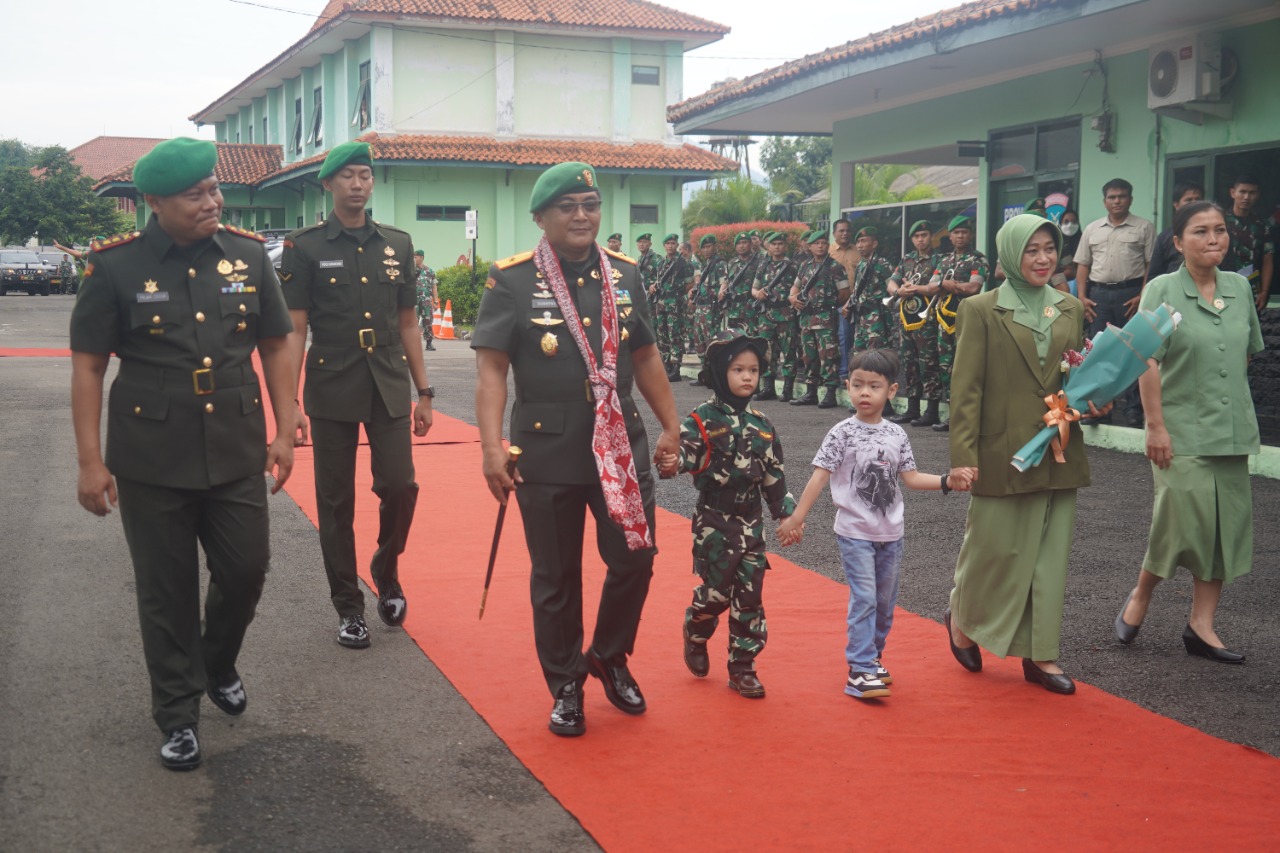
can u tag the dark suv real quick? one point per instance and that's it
(22, 269)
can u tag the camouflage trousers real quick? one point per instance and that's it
(669, 329)
(918, 352)
(424, 320)
(740, 315)
(820, 353)
(946, 349)
(872, 329)
(780, 330)
(706, 322)
(729, 557)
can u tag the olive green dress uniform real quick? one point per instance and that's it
(1203, 513)
(552, 421)
(1010, 579)
(186, 439)
(352, 284)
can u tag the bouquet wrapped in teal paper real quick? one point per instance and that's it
(1110, 364)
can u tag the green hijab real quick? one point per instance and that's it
(1027, 301)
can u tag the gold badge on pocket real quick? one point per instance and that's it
(550, 344)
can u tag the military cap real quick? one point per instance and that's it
(868, 231)
(819, 234)
(560, 179)
(744, 235)
(753, 233)
(1036, 203)
(724, 338)
(617, 237)
(670, 237)
(174, 165)
(918, 226)
(645, 236)
(775, 236)
(960, 221)
(707, 239)
(347, 154)
(419, 253)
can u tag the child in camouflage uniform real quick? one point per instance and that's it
(735, 458)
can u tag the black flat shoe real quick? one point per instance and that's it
(567, 717)
(181, 750)
(970, 658)
(1197, 647)
(945, 426)
(1054, 682)
(227, 692)
(620, 688)
(1125, 632)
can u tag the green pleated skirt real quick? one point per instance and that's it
(1011, 576)
(1202, 518)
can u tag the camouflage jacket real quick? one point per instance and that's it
(708, 289)
(674, 278)
(870, 285)
(1251, 238)
(735, 459)
(775, 278)
(820, 284)
(647, 266)
(740, 274)
(426, 287)
(964, 265)
(915, 267)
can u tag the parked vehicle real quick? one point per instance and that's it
(53, 260)
(22, 269)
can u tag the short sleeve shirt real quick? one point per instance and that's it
(865, 461)
(1116, 253)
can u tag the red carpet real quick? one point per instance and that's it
(33, 352)
(952, 760)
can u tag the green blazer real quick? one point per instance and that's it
(998, 388)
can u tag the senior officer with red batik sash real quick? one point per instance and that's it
(570, 319)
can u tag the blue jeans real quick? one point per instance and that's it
(846, 340)
(871, 568)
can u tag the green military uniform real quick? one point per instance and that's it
(777, 323)
(186, 440)
(706, 303)
(740, 272)
(736, 459)
(820, 284)
(672, 281)
(67, 275)
(352, 284)
(961, 266)
(870, 288)
(1251, 239)
(426, 285)
(918, 336)
(647, 269)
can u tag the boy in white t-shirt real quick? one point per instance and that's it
(862, 459)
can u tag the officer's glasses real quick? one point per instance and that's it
(570, 208)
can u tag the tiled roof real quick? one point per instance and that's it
(944, 23)
(102, 155)
(238, 163)
(610, 14)
(535, 152)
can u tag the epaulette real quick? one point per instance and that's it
(389, 227)
(114, 242)
(507, 263)
(611, 253)
(235, 229)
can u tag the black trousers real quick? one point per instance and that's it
(1109, 308)
(163, 527)
(554, 522)
(391, 452)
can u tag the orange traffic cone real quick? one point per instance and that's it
(435, 321)
(446, 324)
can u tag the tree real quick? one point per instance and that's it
(56, 202)
(736, 200)
(797, 164)
(14, 152)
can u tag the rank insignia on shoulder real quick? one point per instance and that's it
(547, 320)
(513, 260)
(623, 297)
(114, 242)
(243, 232)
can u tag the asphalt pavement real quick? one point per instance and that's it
(343, 750)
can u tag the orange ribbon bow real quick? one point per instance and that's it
(1060, 415)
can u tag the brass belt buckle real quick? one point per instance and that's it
(202, 381)
(370, 341)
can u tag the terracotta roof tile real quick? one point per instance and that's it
(238, 163)
(947, 22)
(535, 152)
(612, 14)
(102, 155)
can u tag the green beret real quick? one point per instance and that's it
(960, 221)
(707, 240)
(868, 231)
(804, 238)
(920, 225)
(559, 180)
(419, 253)
(670, 237)
(1036, 203)
(174, 165)
(744, 235)
(347, 154)
(645, 236)
(753, 233)
(617, 237)
(775, 236)
(819, 234)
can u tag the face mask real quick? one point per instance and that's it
(1070, 228)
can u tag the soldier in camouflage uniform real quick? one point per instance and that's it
(819, 289)
(736, 290)
(869, 290)
(777, 318)
(735, 457)
(428, 296)
(918, 347)
(705, 301)
(646, 264)
(669, 294)
(959, 274)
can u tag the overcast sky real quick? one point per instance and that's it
(71, 70)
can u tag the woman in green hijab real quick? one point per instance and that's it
(1011, 575)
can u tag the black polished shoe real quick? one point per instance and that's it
(747, 685)
(970, 658)
(695, 656)
(906, 417)
(567, 717)
(181, 750)
(1054, 682)
(353, 633)
(788, 390)
(392, 606)
(767, 392)
(945, 426)
(828, 399)
(810, 397)
(619, 686)
(227, 692)
(1125, 632)
(1197, 647)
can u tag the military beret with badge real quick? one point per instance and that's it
(347, 154)
(175, 165)
(562, 179)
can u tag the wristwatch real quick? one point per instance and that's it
(429, 392)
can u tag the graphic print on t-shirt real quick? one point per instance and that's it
(874, 480)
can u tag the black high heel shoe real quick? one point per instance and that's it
(1197, 647)
(970, 658)
(1125, 632)
(1054, 682)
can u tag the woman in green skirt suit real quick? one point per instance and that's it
(1011, 575)
(1201, 429)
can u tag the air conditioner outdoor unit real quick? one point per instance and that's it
(1184, 71)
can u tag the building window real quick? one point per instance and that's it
(441, 213)
(299, 225)
(265, 137)
(316, 136)
(250, 134)
(361, 117)
(644, 214)
(296, 139)
(237, 136)
(645, 75)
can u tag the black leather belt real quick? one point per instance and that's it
(363, 338)
(1128, 282)
(730, 503)
(202, 381)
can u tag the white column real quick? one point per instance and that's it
(504, 79)
(675, 85)
(382, 56)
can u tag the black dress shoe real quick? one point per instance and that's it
(945, 426)
(767, 392)
(906, 417)
(747, 685)
(227, 692)
(619, 686)
(695, 656)
(970, 658)
(392, 606)
(810, 398)
(1125, 632)
(181, 750)
(1054, 682)
(828, 399)
(1199, 648)
(567, 718)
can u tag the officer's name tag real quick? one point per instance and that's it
(161, 296)
(544, 303)
(329, 265)
(624, 297)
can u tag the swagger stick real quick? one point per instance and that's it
(513, 456)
